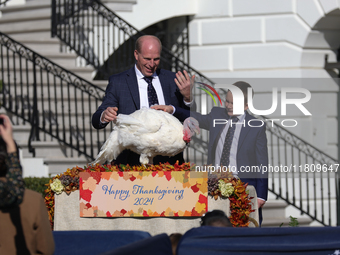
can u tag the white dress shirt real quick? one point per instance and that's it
(143, 89)
(234, 144)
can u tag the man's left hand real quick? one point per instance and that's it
(165, 108)
(185, 84)
(260, 203)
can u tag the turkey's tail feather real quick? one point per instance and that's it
(110, 149)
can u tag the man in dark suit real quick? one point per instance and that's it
(247, 144)
(142, 86)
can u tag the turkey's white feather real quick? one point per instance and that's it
(147, 132)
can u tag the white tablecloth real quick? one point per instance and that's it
(66, 217)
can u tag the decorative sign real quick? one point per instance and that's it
(143, 194)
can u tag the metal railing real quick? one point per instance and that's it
(299, 173)
(57, 103)
(103, 39)
(3, 2)
(106, 42)
(302, 175)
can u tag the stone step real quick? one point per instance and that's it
(53, 156)
(86, 135)
(115, 5)
(54, 164)
(269, 222)
(40, 41)
(25, 27)
(34, 167)
(100, 83)
(48, 49)
(275, 214)
(60, 165)
(29, 24)
(44, 99)
(54, 149)
(21, 133)
(66, 60)
(274, 209)
(58, 111)
(120, 5)
(39, 35)
(26, 15)
(86, 73)
(28, 6)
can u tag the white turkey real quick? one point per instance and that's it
(147, 132)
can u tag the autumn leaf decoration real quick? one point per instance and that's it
(240, 202)
(70, 179)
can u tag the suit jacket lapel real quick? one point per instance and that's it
(165, 86)
(244, 131)
(131, 81)
(216, 134)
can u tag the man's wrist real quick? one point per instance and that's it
(173, 109)
(188, 104)
(100, 119)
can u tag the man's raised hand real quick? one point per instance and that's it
(185, 84)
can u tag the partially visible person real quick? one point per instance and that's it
(24, 223)
(239, 145)
(12, 185)
(25, 228)
(174, 238)
(215, 218)
(140, 87)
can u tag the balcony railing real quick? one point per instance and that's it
(3, 2)
(103, 39)
(57, 103)
(106, 41)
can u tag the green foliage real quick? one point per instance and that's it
(293, 222)
(37, 184)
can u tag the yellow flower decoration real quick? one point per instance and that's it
(56, 186)
(226, 188)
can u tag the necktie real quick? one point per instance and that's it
(152, 95)
(227, 142)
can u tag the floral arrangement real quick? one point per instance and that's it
(240, 202)
(69, 180)
(229, 187)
